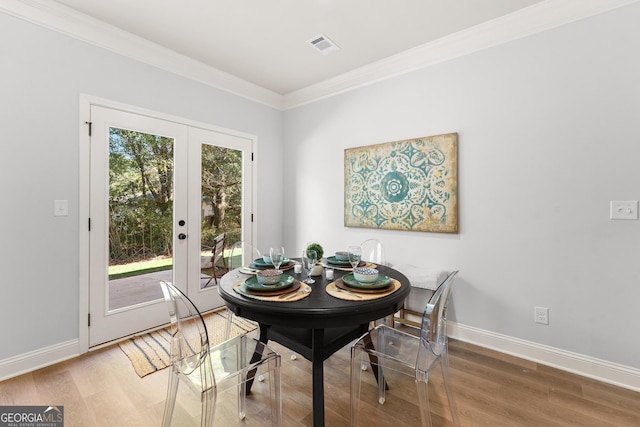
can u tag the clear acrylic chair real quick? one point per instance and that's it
(388, 349)
(209, 370)
(241, 254)
(373, 251)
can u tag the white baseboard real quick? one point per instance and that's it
(601, 370)
(37, 359)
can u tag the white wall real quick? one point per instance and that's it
(548, 134)
(547, 128)
(42, 74)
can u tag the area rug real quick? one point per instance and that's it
(150, 352)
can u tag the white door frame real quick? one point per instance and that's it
(84, 193)
(109, 324)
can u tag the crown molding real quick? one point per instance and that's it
(534, 19)
(65, 20)
(531, 20)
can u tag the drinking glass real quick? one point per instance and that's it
(355, 255)
(277, 256)
(309, 258)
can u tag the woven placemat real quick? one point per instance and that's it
(298, 293)
(354, 295)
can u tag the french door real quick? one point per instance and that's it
(147, 210)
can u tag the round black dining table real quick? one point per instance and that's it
(316, 326)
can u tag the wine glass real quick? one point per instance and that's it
(309, 258)
(355, 255)
(277, 256)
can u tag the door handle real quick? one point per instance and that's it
(182, 236)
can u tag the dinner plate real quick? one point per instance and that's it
(288, 266)
(285, 266)
(341, 264)
(252, 284)
(340, 284)
(242, 289)
(259, 262)
(334, 260)
(381, 282)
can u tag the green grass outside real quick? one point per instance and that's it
(144, 267)
(140, 267)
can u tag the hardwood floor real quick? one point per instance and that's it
(492, 389)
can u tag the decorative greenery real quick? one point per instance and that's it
(316, 247)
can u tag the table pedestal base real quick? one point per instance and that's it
(315, 345)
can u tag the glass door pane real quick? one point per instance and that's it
(140, 216)
(221, 212)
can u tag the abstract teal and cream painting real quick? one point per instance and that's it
(403, 185)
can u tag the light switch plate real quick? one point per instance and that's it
(624, 209)
(60, 207)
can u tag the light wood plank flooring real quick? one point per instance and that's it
(492, 389)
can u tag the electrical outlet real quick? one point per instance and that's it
(541, 315)
(623, 209)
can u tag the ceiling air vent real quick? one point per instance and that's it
(323, 44)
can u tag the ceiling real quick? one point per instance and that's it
(259, 49)
(265, 42)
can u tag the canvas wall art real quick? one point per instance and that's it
(403, 185)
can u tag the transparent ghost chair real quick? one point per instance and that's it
(209, 370)
(373, 251)
(240, 255)
(388, 349)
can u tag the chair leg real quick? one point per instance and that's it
(377, 366)
(381, 383)
(208, 408)
(170, 402)
(242, 396)
(241, 357)
(217, 275)
(444, 365)
(422, 385)
(275, 389)
(227, 332)
(356, 372)
(210, 277)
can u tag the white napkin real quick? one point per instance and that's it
(420, 277)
